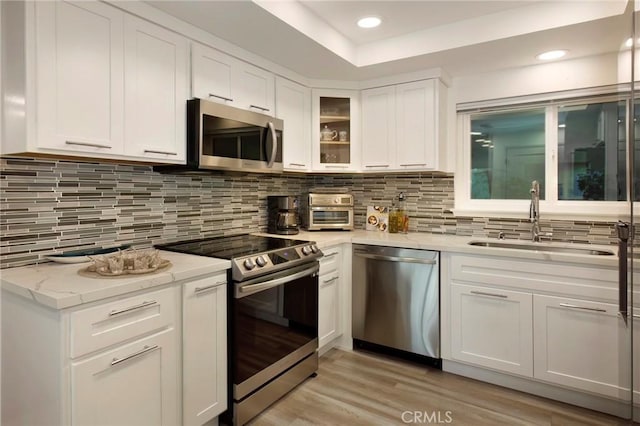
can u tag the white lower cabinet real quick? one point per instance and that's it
(133, 384)
(329, 296)
(204, 349)
(492, 328)
(581, 344)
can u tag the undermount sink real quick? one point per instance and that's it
(542, 247)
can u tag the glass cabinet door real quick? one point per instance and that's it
(335, 130)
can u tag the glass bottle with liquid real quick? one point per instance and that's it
(393, 219)
(402, 219)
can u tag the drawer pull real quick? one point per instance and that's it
(259, 107)
(381, 165)
(224, 98)
(132, 308)
(482, 293)
(326, 256)
(567, 305)
(336, 167)
(93, 145)
(413, 164)
(298, 164)
(208, 287)
(142, 351)
(330, 280)
(151, 151)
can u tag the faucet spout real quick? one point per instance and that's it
(534, 211)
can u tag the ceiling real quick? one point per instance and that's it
(319, 39)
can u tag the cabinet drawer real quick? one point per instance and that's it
(104, 325)
(331, 261)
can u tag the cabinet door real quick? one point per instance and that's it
(492, 328)
(328, 308)
(211, 74)
(135, 384)
(580, 344)
(293, 105)
(79, 77)
(378, 128)
(255, 88)
(204, 349)
(416, 115)
(156, 91)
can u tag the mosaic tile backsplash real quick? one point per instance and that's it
(50, 206)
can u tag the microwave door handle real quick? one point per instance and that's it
(274, 144)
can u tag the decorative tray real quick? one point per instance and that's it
(130, 261)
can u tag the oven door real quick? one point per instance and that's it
(330, 218)
(275, 325)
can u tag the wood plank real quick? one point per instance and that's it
(360, 388)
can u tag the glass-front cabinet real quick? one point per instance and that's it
(335, 130)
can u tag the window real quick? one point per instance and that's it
(575, 149)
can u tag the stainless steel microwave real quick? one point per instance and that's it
(221, 137)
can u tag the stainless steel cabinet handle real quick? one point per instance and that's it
(636, 316)
(568, 305)
(395, 258)
(208, 287)
(381, 165)
(93, 145)
(259, 107)
(336, 167)
(623, 238)
(133, 308)
(221, 97)
(298, 164)
(326, 256)
(330, 280)
(413, 164)
(274, 146)
(151, 151)
(482, 293)
(142, 351)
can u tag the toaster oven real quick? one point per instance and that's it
(328, 211)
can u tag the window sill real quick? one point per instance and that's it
(594, 211)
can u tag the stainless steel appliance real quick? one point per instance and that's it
(283, 215)
(396, 300)
(273, 316)
(328, 211)
(221, 137)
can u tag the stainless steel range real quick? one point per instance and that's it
(273, 316)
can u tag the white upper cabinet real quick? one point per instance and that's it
(156, 90)
(97, 83)
(378, 128)
(221, 78)
(293, 106)
(404, 127)
(79, 77)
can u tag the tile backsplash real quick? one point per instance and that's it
(49, 206)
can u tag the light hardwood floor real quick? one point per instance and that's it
(360, 388)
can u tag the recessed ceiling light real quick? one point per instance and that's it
(369, 22)
(552, 54)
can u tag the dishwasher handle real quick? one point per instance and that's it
(394, 258)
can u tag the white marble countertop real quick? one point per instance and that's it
(60, 286)
(457, 244)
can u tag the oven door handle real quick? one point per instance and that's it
(244, 290)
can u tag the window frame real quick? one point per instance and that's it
(551, 207)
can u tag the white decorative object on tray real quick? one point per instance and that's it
(129, 261)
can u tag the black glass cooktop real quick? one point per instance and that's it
(231, 247)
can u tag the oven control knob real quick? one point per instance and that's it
(306, 250)
(248, 264)
(260, 261)
(314, 248)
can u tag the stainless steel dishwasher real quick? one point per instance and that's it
(396, 300)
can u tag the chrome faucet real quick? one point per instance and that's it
(534, 211)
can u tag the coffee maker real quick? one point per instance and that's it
(283, 217)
